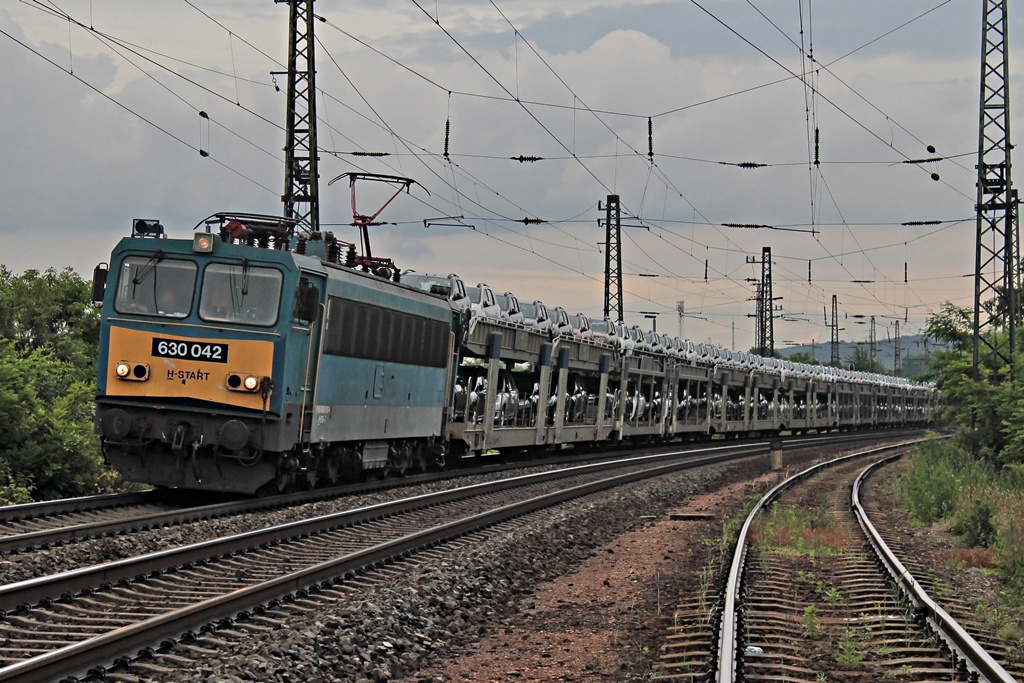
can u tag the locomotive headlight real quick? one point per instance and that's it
(202, 243)
(242, 382)
(136, 372)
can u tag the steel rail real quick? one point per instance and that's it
(23, 595)
(946, 627)
(15, 513)
(728, 643)
(76, 658)
(49, 537)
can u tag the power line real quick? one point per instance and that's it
(132, 111)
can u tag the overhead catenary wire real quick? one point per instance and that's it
(507, 217)
(134, 113)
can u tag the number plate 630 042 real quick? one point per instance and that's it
(186, 350)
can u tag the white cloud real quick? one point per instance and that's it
(76, 167)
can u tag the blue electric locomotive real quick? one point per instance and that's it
(250, 360)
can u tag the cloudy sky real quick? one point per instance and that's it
(101, 125)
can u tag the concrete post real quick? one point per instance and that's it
(776, 446)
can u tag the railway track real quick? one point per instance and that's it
(811, 595)
(64, 624)
(950, 616)
(35, 526)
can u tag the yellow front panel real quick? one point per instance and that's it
(188, 373)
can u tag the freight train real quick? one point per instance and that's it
(251, 359)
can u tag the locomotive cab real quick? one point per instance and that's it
(195, 381)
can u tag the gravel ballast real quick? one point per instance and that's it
(432, 612)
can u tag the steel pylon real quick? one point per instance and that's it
(301, 196)
(996, 273)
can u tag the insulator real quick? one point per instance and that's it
(817, 143)
(350, 257)
(650, 139)
(333, 250)
(705, 270)
(300, 246)
(370, 154)
(532, 221)
(808, 270)
(904, 271)
(264, 241)
(447, 131)
(522, 158)
(749, 164)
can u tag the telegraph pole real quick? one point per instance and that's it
(301, 196)
(996, 278)
(613, 259)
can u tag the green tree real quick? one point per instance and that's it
(49, 333)
(989, 409)
(861, 360)
(50, 310)
(952, 325)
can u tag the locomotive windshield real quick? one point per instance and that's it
(240, 293)
(155, 285)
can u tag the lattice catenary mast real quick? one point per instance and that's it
(834, 359)
(872, 343)
(996, 259)
(897, 361)
(613, 259)
(765, 333)
(301, 196)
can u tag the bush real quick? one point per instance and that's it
(975, 525)
(930, 484)
(983, 503)
(1010, 555)
(49, 333)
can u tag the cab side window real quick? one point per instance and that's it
(307, 300)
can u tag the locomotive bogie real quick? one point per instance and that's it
(186, 448)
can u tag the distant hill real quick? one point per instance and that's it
(913, 352)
